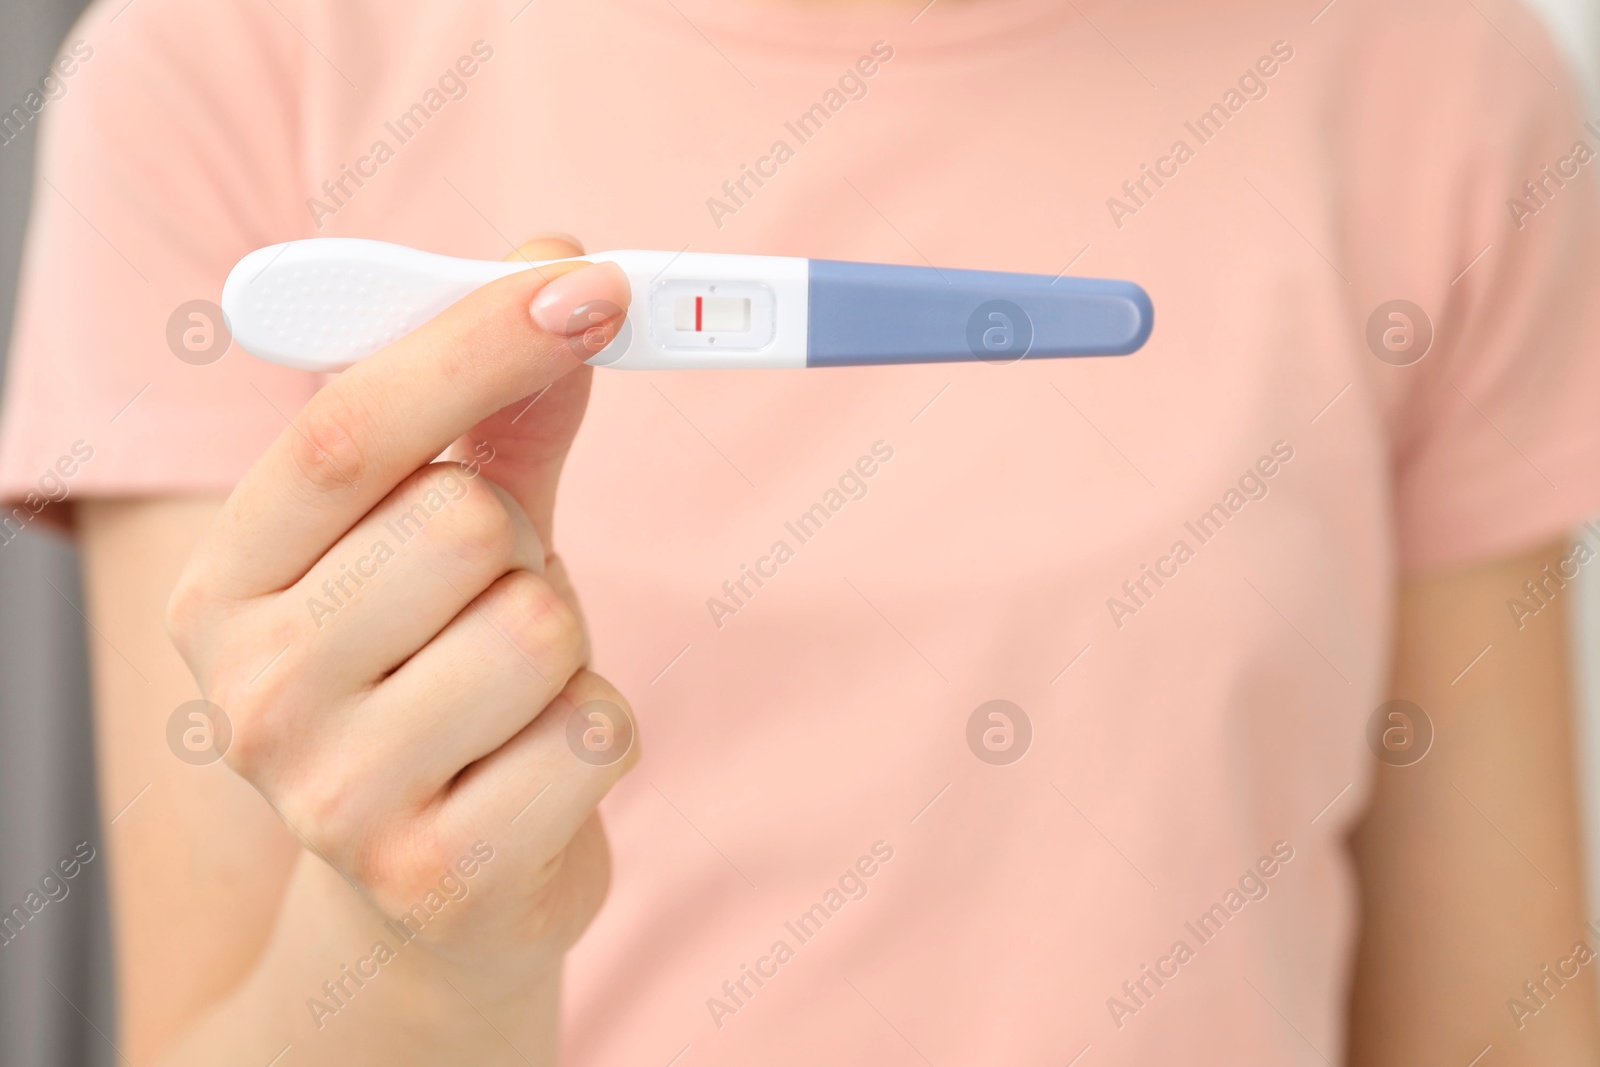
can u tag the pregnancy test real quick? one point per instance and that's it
(324, 303)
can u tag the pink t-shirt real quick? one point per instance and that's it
(1180, 566)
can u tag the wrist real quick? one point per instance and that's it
(348, 977)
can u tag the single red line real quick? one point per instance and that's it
(697, 302)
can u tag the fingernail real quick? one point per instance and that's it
(581, 299)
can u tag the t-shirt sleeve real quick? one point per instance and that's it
(173, 150)
(1484, 201)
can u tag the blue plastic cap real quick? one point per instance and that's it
(867, 313)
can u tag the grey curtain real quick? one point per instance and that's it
(55, 975)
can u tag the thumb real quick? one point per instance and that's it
(522, 447)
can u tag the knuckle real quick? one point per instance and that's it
(400, 866)
(256, 683)
(630, 758)
(635, 752)
(326, 447)
(587, 687)
(250, 750)
(186, 606)
(255, 745)
(477, 526)
(539, 619)
(326, 808)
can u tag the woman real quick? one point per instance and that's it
(1195, 830)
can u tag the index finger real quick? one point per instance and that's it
(358, 437)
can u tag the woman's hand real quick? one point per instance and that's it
(397, 648)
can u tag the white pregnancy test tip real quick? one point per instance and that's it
(323, 305)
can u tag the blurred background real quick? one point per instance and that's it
(55, 990)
